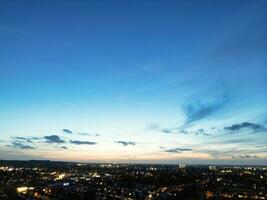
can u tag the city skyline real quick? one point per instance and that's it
(134, 82)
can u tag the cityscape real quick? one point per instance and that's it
(133, 100)
(29, 180)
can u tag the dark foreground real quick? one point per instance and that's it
(74, 181)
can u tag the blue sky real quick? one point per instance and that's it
(134, 81)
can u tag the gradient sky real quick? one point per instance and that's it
(134, 81)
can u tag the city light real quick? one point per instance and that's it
(22, 189)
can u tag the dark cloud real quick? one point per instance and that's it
(125, 143)
(78, 142)
(166, 130)
(177, 150)
(20, 145)
(244, 156)
(53, 139)
(200, 130)
(199, 109)
(64, 147)
(67, 131)
(245, 125)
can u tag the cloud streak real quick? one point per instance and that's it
(245, 125)
(177, 150)
(67, 131)
(125, 143)
(89, 134)
(20, 145)
(244, 156)
(78, 142)
(26, 139)
(166, 130)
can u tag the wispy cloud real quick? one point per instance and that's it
(53, 139)
(166, 130)
(244, 156)
(88, 134)
(201, 131)
(78, 142)
(20, 145)
(207, 134)
(217, 153)
(153, 126)
(245, 125)
(68, 131)
(26, 139)
(184, 131)
(22, 139)
(236, 140)
(125, 143)
(201, 108)
(224, 151)
(157, 127)
(177, 150)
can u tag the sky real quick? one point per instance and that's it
(134, 81)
